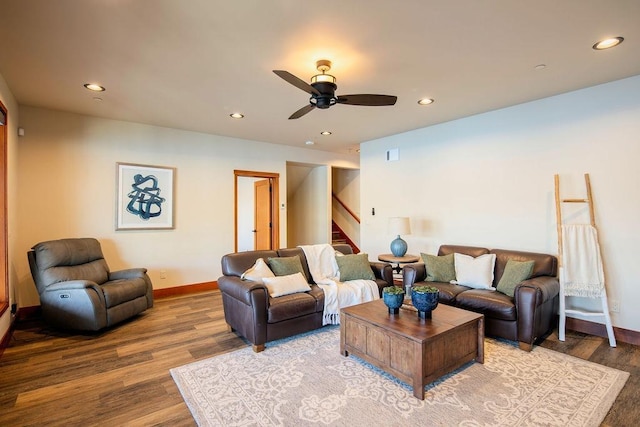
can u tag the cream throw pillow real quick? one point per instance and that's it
(285, 285)
(259, 271)
(474, 272)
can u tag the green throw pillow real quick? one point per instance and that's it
(514, 273)
(286, 266)
(439, 268)
(354, 267)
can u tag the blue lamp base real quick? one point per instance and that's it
(398, 247)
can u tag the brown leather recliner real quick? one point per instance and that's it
(252, 313)
(526, 317)
(77, 289)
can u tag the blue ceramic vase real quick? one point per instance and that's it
(393, 301)
(425, 301)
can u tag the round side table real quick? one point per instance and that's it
(397, 260)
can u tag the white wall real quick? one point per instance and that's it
(14, 256)
(67, 166)
(487, 180)
(309, 209)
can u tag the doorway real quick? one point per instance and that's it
(256, 214)
(262, 214)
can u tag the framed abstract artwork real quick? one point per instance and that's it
(144, 197)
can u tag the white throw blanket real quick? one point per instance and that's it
(324, 271)
(582, 274)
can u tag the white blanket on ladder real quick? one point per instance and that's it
(324, 271)
(582, 274)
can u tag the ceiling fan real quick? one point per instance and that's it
(322, 90)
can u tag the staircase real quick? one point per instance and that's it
(338, 236)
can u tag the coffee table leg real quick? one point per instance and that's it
(343, 336)
(480, 356)
(418, 388)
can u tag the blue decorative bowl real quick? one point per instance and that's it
(424, 302)
(393, 301)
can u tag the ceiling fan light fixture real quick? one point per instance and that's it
(94, 87)
(608, 43)
(323, 78)
(323, 65)
(426, 101)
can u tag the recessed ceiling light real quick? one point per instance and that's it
(325, 132)
(426, 101)
(94, 87)
(236, 115)
(608, 43)
(97, 99)
(309, 143)
(540, 67)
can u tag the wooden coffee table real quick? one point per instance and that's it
(416, 351)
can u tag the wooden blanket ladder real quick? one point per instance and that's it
(604, 312)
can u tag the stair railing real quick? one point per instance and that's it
(346, 208)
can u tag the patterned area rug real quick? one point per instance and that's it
(305, 381)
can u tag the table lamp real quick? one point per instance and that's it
(399, 225)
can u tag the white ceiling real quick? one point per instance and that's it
(188, 64)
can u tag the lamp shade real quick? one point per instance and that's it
(399, 225)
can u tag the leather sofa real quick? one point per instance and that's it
(252, 313)
(525, 317)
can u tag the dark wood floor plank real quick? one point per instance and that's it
(121, 376)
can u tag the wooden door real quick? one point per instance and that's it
(262, 214)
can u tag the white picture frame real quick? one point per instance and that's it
(144, 197)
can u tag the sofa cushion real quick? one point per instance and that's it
(545, 265)
(291, 306)
(473, 251)
(285, 266)
(474, 272)
(439, 268)
(258, 271)
(354, 267)
(285, 285)
(297, 251)
(514, 273)
(448, 291)
(492, 304)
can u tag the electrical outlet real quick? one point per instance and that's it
(163, 274)
(615, 306)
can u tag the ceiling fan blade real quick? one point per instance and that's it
(301, 112)
(372, 100)
(299, 83)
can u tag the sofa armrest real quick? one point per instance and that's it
(412, 273)
(129, 273)
(135, 273)
(382, 270)
(72, 284)
(537, 290)
(80, 289)
(240, 289)
(536, 302)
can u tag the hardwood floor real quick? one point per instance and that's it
(121, 376)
